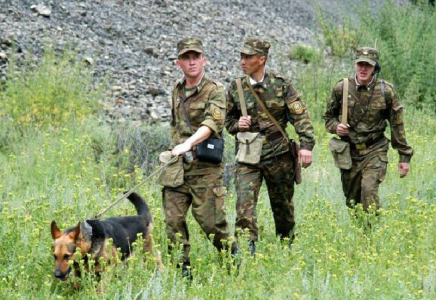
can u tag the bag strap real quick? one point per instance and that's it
(259, 101)
(241, 97)
(345, 102)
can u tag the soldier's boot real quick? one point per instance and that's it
(186, 270)
(252, 247)
(290, 240)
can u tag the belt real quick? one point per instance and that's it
(273, 136)
(368, 143)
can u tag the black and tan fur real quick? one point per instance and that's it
(92, 237)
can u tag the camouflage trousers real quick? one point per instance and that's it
(361, 183)
(278, 173)
(206, 195)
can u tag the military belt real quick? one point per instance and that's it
(273, 136)
(367, 144)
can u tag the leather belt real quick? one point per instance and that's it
(368, 143)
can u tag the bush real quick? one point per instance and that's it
(303, 53)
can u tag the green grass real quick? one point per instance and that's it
(71, 170)
(55, 176)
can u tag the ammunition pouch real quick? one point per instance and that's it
(250, 147)
(171, 175)
(341, 153)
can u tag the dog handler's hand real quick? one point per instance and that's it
(305, 157)
(181, 149)
(403, 169)
(244, 123)
(342, 129)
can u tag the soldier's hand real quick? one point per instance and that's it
(342, 129)
(305, 157)
(181, 149)
(244, 123)
(403, 169)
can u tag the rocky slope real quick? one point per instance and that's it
(134, 41)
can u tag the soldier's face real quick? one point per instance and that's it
(251, 64)
(363, 72)
(191, 63)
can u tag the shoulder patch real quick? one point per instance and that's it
(296, 107)
(216, 112)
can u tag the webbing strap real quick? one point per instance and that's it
(259, 101)
(345, 103)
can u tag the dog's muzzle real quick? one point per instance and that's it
(62, 276)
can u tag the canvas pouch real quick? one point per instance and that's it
(172, 175)
(250, 147)
(341, 153)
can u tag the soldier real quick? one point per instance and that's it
(371, 102)
(204, 104)
(276, 163)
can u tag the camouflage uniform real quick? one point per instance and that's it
(276, 165)
(369, 109)
(203, 181)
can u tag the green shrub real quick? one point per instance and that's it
(50, 93)
(304, 53)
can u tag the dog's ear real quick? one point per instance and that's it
(74, 234)
(55, 231)
(86, 231)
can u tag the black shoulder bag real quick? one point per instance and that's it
(211, 149)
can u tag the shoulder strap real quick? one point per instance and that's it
(383, 87)
(266, 110)
(241, 97)
(345, 102)
(182, 104)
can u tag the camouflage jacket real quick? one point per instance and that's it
(369, 109)
(283, 103)
(206, 106)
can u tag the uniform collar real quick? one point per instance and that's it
(254, 82)
(199, 84)
(368, 87)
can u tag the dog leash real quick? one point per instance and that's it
(98, 216)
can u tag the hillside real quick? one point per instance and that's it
(133, 42)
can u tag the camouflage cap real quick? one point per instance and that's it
(367, 54)
(189, 44)
(255, 46)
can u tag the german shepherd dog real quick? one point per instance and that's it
(92, 236)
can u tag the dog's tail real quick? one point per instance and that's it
(140, 205)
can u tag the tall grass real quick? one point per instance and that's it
(49, 93)
(71, 171)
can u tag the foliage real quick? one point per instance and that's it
(51, 93)
(333, 256)
(404, 36)
(74, 170)
(340, 38)
(304, 53)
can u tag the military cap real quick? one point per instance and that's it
(367, 54)
(189, 44)
(255, 46)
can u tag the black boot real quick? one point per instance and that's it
(252, 248)
(186, 270)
